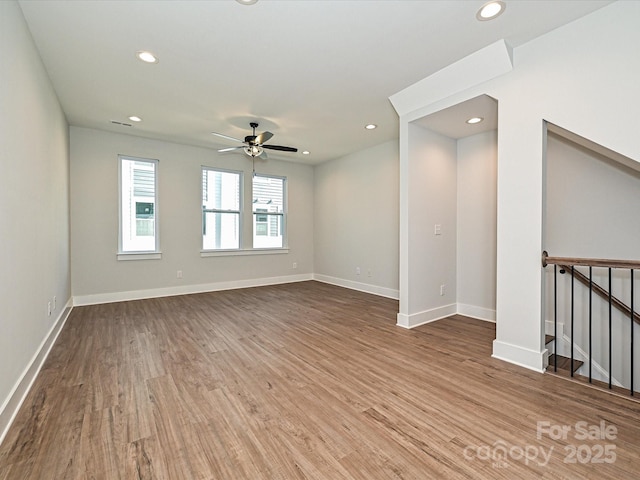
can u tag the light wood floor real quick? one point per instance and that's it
(298, 381)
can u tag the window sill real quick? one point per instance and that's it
(139, 256)
(239, 252)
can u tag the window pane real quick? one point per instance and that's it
(220, 190)
(221, 231)
(221, 220)
(268, 212)
(138, 205)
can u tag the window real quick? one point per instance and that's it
(138, 205)
(269, 212)
(221, 212)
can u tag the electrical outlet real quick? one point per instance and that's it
(442, 289)
(295, 264)
(179, 274)
(368, 272)
(55, 302)
(49, 309)
(357, 270)
(437, 229)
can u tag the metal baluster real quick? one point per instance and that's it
(572, 269)
(610, 366)
(555, 318)
(632, 328)
(590, 317)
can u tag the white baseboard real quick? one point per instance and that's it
(479, 313)
(523, 357)
(427, 316)
(438, 313)
(361, 287)
(12, 404)
(185, 290)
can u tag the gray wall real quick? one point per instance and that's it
(592, 206)
(356, 220)
(432, 258)
(34, 193)
(97, 274)
(477, 210)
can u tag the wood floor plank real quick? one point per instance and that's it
(296, 382)
(142, 460)
(100, 446)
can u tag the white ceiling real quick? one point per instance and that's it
(312, 72)
(452, 122)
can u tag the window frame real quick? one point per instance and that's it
(139, 254)
(239, 212)
(283, 215)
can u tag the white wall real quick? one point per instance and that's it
(582, 77)
(34, 206)
(432, 181)
(476, 224)
(356, 220)
(97, 274)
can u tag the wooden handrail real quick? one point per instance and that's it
(602, 293)
(589, 262)
(567, 262)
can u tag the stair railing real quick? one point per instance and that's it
(569, 263)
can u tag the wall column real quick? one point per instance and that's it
(521, 150)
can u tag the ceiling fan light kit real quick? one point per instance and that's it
(254, 151)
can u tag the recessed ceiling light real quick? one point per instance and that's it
(147, 57)
(247, 2)
(371, 126)
(473, 120)
(134, 118)
(306, 152)
(491, 10)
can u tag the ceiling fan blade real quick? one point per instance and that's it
(281, 148)
(227, 137)
(263, 155)
(263, 137)
(230, 149)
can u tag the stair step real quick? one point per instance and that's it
(548, 339)
(564, 363)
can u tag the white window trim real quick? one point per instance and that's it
(240, 212)
(140, 256)
(143, 255)
(243, 251)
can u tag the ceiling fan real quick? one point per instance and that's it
(254, 145)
